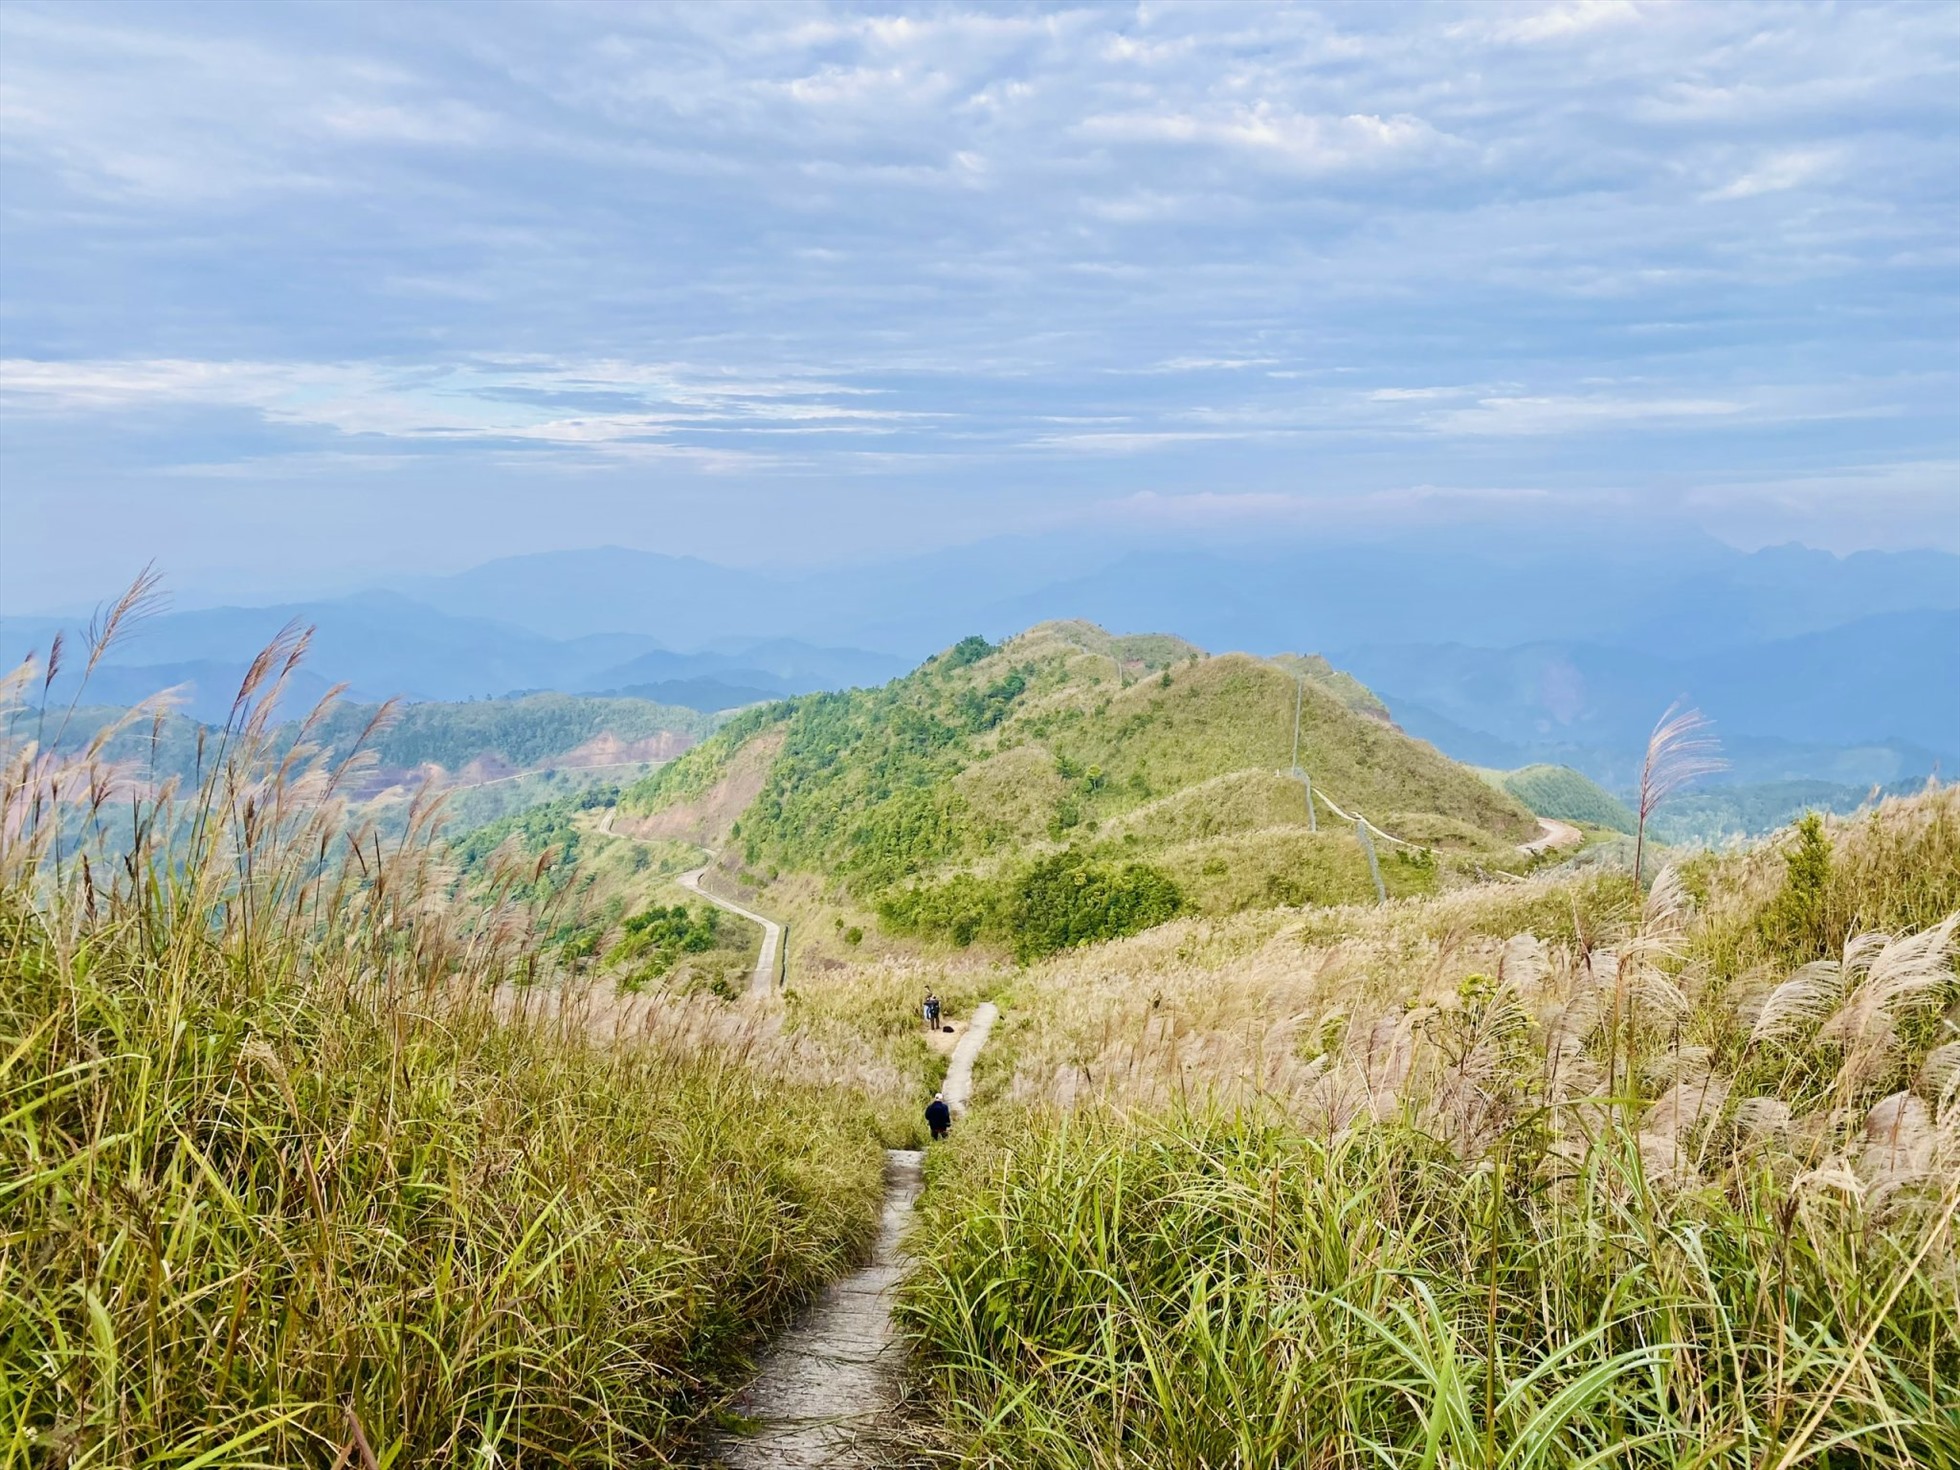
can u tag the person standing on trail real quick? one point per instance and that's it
(932, 1011)
(939, 1117)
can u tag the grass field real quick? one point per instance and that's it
(325, 1145)
(307, 1159)
(1539, 1175)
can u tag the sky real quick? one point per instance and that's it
(296, 295)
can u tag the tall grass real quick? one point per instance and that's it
(1413, 1187)
(306, 1160)
(1196, 1289)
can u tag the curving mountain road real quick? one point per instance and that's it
(763, 981)
(1553, 836)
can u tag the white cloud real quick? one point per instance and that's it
(1894, 505)
(1215, 241)
(1302, 140)
(1785, 170)
(1550, 414)
(1560, 22)
(515, 401)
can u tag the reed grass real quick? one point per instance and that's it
(1197, 1288)
(307, 1159)
(1552, 1174)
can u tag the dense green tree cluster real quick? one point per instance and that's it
(982, 709)
(859, 785)
(1057, 902)
(652, 942)
(551, 824)
(1068, 899)
(969, 650)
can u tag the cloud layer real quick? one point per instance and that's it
(799, 280)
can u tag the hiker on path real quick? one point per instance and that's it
(939, 1117)
(932, 1011)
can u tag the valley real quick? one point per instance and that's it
(979, 735)
(1337, 1094)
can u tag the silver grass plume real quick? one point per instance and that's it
(1679, 751)
(1885, 976)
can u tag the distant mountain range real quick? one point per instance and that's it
(382, 645)
(1815, 666)
(1675, 595)
(1890, 681)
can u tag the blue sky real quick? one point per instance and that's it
(294, 295)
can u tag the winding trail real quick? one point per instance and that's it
(1553, 836)
(830, 1379)
(763, 982)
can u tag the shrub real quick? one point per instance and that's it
(1067, 900)
(1796, 920)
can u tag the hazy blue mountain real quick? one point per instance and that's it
(1671, 594)
(610, 589)
(383, 645)
(804, 666)
(1563, 649)
(203, 689)
(1894, 676)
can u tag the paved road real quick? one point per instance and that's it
(830, 1381)
(763, 981)
(958, 1086)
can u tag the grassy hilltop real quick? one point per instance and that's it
(961, 799)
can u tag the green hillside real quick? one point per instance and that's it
(938, 797)
(1563, 793)
(527, 731)
(523, 732)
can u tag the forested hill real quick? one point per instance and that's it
(487, 736)
(1068, 739)
(522, 732)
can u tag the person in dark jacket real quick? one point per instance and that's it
(939, 1117)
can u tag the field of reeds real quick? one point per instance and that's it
(308, 1157)
(1549, 1174)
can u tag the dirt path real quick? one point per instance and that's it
(833, 1377)
(1553, 836)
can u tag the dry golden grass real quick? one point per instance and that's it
(307, 1159)
(1521, 1175)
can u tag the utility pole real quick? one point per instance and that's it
(1374, 867)
(1299, 691)
(1306, 781)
